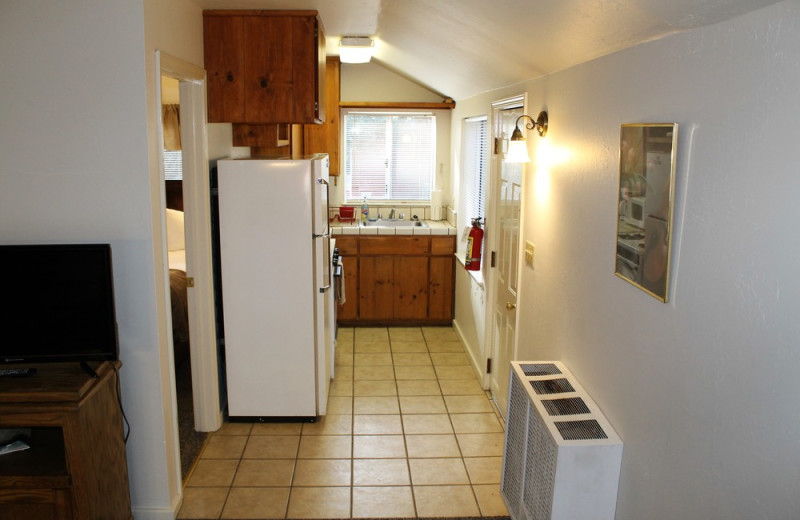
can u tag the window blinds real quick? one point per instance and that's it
(389, 156)
(474, 150)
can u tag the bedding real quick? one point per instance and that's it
(176, 254)
(180, 315)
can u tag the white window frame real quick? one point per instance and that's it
(355, 198)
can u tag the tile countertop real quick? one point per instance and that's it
(435, 227)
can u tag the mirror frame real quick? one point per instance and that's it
(645, 200)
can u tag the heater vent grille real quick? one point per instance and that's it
(517, 418)
(568, 406)
(552, 386)
(580, 430)
(562, 458)
(540, 369)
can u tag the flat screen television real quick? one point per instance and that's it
(57, 303)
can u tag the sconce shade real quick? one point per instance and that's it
(517, 146)
(518, 150)
(355, 49)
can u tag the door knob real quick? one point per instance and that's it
(511, 306)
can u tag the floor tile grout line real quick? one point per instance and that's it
(352, 434)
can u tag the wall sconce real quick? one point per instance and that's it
(518, 148)
(355, 49)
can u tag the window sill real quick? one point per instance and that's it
(477, 276)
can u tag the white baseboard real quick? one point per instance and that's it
(478, 365)
(154, 514)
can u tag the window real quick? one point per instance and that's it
(474, 150)
(173, 165)
(389, 156)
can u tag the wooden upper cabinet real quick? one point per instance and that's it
(324, 138)
(264, 66)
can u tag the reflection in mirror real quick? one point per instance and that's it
(644, 218)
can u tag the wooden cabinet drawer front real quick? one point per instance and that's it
(395, 245)
(348, 246)
(443, 245)
(35, 504)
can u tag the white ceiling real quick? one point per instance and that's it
(461, 48)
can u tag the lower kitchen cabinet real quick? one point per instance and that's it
(393, 288)
(400, 280)
(348, 251)
(376, 288)
(441, 287)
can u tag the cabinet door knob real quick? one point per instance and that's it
(511, 306)
(229, 77)
(263, 83)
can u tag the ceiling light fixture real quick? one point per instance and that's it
(355, 49)
(517, 147)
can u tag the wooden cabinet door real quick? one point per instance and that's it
(324, 138)
(308, 70)
(442, 271)
(264, 68)
(349, 311)
(268, 64)
(376, 289)
(410, 287)
(223, 45)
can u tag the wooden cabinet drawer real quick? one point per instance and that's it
(443, 245)
(395, 246)
(347, 245)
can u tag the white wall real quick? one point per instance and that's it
(77, 119)
(702, 389)
(373, 82)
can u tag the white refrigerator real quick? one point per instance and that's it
(276, 286)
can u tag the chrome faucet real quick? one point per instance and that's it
(391, 214)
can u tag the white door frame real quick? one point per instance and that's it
(196, 200)
(492, 232)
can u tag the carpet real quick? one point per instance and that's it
(190, 440)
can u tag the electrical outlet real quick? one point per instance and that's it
(529, 250)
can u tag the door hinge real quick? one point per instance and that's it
(489, 366)
(494, 259)
(189, 281)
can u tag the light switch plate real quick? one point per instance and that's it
(529, 250)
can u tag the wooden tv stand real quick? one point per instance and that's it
(76, 467)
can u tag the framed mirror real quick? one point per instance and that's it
(644, 207)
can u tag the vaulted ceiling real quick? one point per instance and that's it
(460, 48)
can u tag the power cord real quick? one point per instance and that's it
(127, 427)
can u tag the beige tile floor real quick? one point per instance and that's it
(409, 433)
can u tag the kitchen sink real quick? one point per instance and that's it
(390, 222)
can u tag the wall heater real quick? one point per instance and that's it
(562, 458)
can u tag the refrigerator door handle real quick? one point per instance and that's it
(326, 235)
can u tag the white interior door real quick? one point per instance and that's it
(507, 208)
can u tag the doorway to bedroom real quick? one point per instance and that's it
(190, 440)
(191, 355)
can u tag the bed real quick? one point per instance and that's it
(176, 252)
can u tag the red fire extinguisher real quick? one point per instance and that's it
(474, 241)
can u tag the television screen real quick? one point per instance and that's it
(57, 303)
